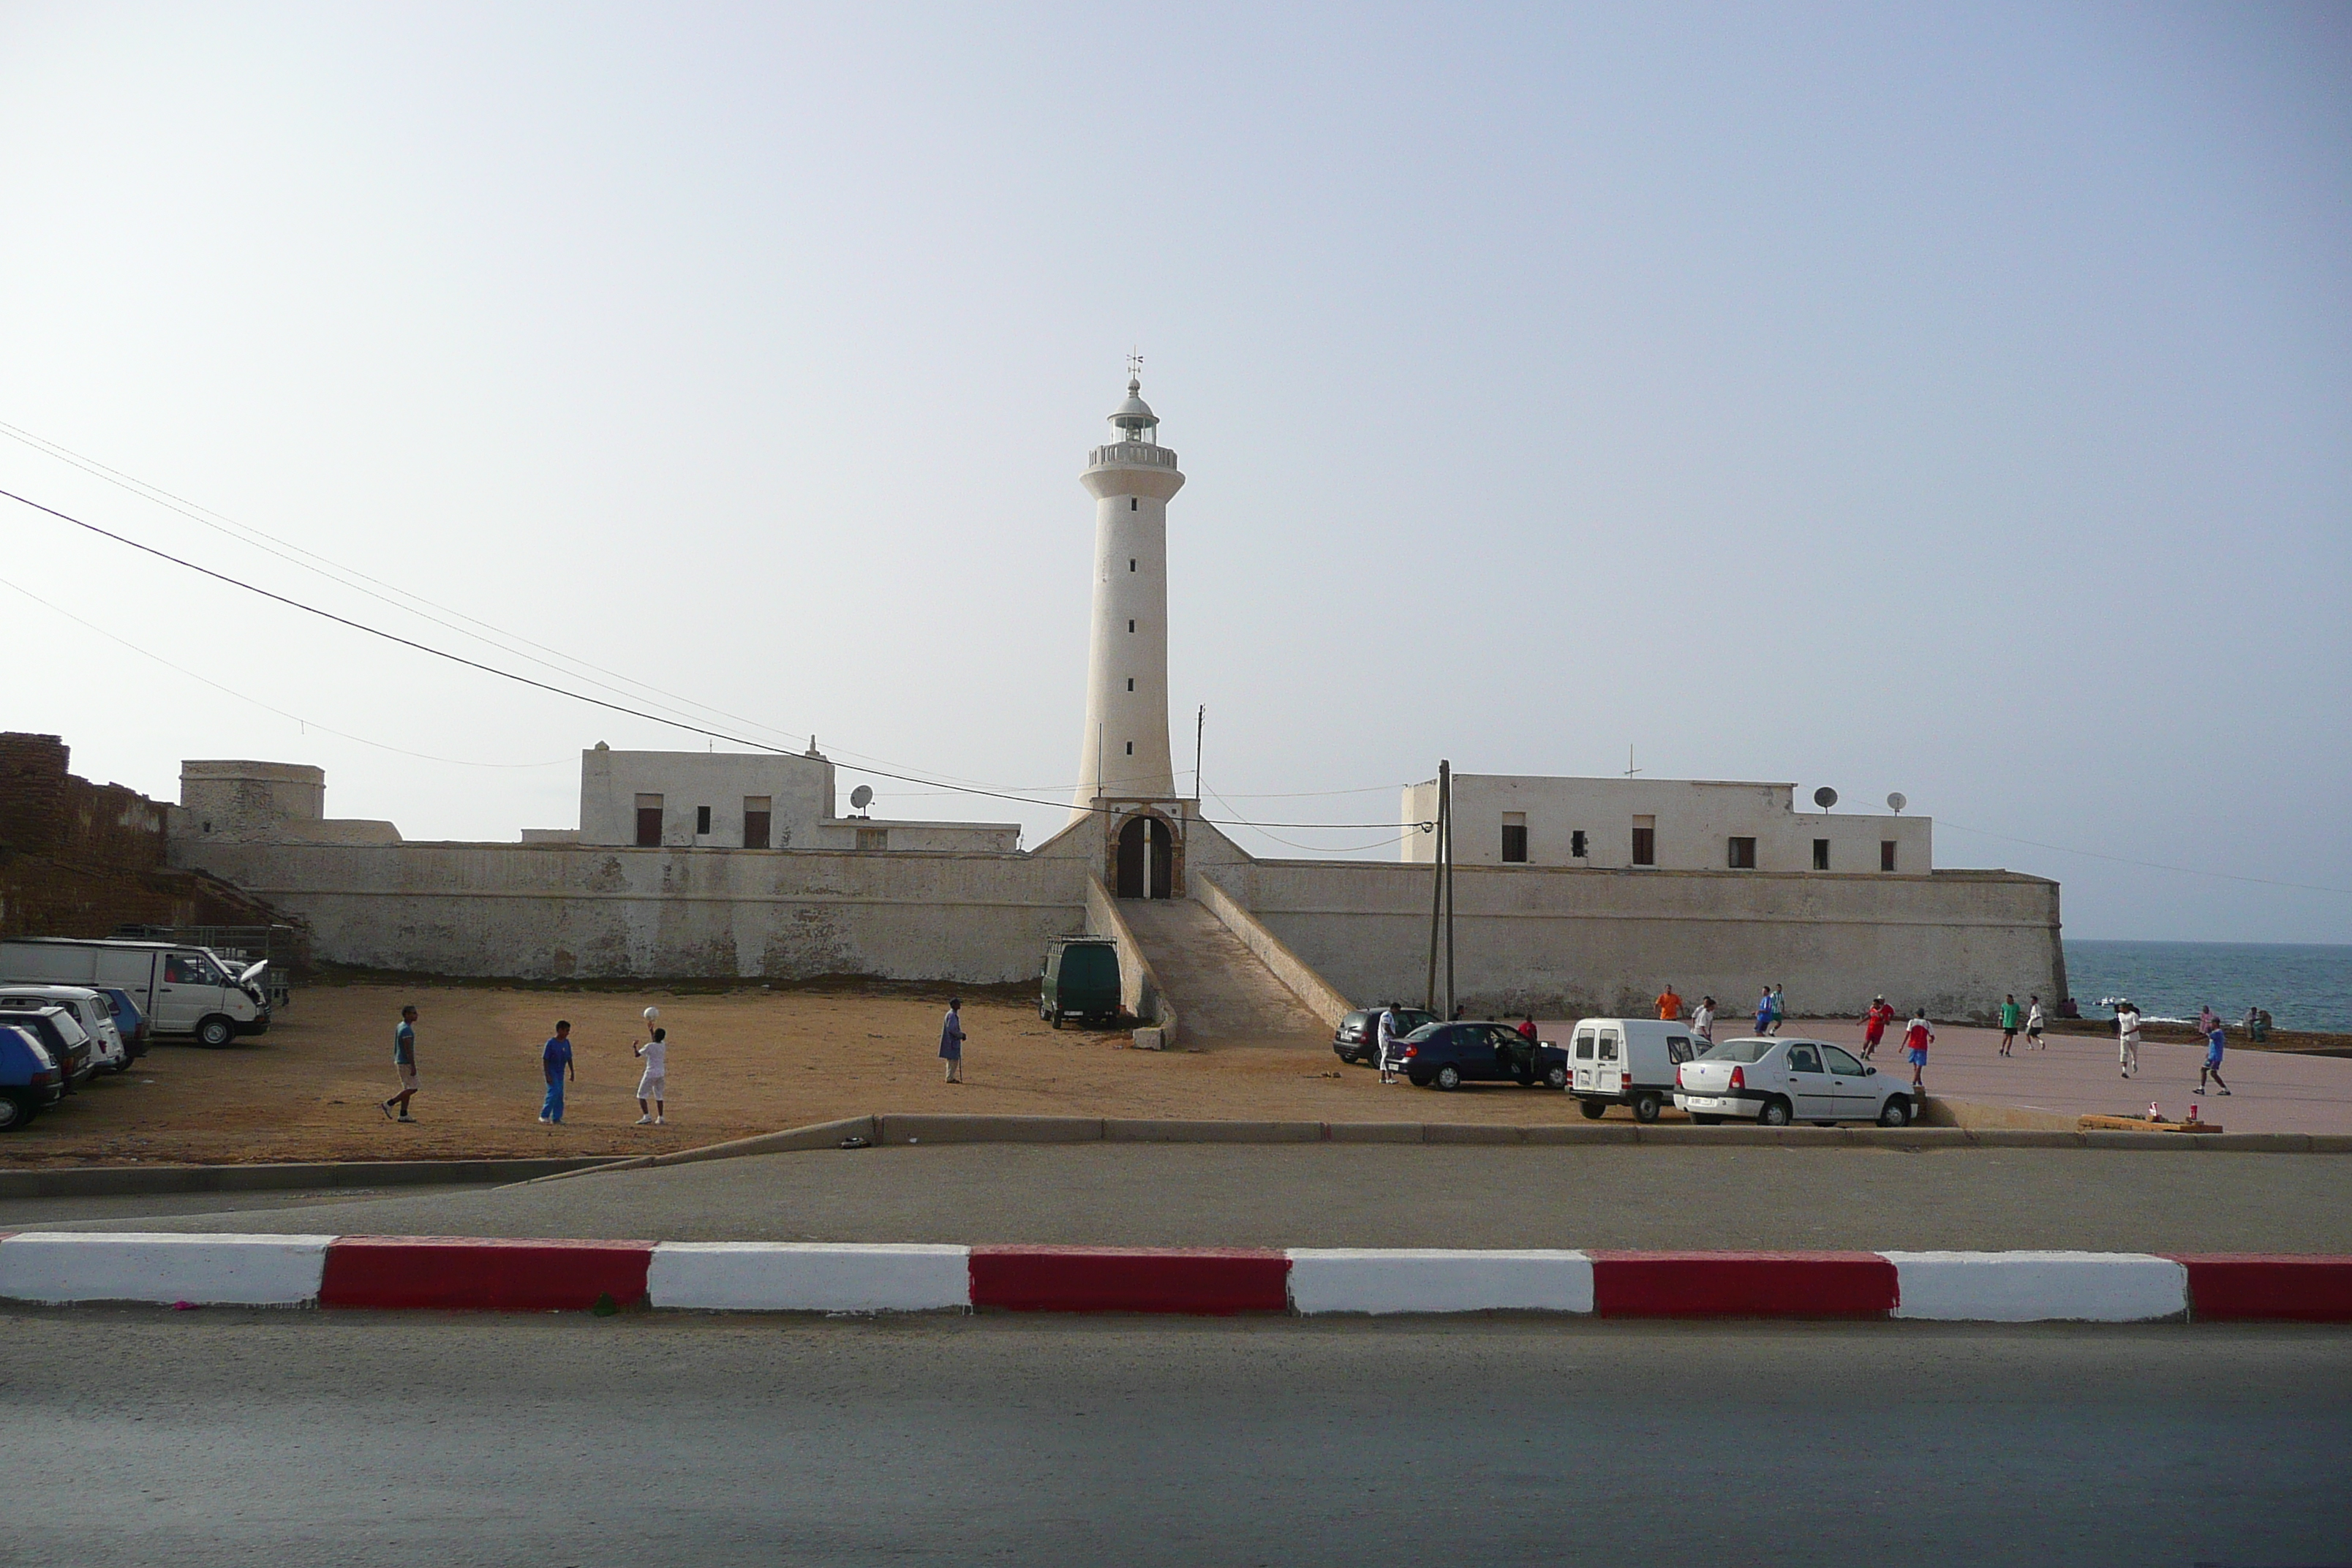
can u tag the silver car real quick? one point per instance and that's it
(1780, 1080)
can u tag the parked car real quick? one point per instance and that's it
(1627, 1061)
(30, 1081)
(1777, 1081)
(1358, 1038)
(90, 1010)
(182, 990)
(128, 1021)
(1080, 980)
(1451, 1055)
(68, 1045)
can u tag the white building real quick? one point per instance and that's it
(1675, 825)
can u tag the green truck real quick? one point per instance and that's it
(1080, 980)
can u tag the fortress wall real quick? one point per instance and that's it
(1567, 941)
(547, 912)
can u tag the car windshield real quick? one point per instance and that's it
(1425, 1032)
(1738, 1051)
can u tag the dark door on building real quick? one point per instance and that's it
(1147, 859)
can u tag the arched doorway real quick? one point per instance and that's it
(1146, 859)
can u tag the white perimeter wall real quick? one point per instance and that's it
(1564, 942)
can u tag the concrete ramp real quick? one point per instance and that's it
(1224, 993)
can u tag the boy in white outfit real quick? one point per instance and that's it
(656, 1052)
(2127, 1038)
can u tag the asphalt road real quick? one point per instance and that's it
(244, 1438)
(1360, 1195)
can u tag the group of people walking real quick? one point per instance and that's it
(557, 1063)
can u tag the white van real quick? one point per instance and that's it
(90, 1009)
(182, 990)
(1627, 1061)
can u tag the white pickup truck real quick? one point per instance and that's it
(1780, 1080)
(182, 990)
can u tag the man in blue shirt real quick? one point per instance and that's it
(404, 1062)
(557, 1060)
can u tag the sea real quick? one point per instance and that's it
(2301, 986)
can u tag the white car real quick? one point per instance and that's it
(1777, 1081)
(92, 1011)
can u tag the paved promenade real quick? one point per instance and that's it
(2273, 1092)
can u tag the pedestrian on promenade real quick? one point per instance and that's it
(1764, 1012)
(2207, 1018)
(651, 1086)
(1703, 1021)
(1670, 1004)
(2034, 1020)
(1916, 1037)
(952, 1040)
(1384, 1043)
(1874, 1024)
(2214, 1038)
(2008, 1021)
(556, 1058)
(2127, 1038)
(404, 1062)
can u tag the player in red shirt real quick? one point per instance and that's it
(1873, 1026)
(1915, 1038)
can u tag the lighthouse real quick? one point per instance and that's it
(1123, 754)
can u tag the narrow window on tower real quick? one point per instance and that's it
(1131, 748)
(1130, 683)
(1130, 563)
(1133, 504)
(1130, 625)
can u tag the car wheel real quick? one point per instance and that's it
(1449, 1077)
(216, 1032)
(1706, 1121)
(1594, 1110)
(1895, 1112)
(1055, 1017)
(1645, 1108)
(1556, 1079)
(1774, 1114)
(16, 1108)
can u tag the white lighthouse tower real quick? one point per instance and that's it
(1124, 753)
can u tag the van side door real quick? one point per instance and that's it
(187, 989)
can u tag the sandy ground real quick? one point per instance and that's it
(740, 1063)
(750, 1061)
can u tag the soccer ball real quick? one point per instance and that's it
(653, 1017)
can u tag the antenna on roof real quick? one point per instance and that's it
(1629, 769)
(1896, 802)
(1825, 797)
(861, 798)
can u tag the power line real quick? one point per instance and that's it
(258, 703)
(576, 696)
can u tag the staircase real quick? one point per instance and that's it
(1220, 989)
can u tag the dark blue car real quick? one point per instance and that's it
(30, 1081)
(1451, 1055)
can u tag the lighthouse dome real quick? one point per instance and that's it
(1134, 418)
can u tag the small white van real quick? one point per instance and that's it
(182, 990)
(1627, 1061)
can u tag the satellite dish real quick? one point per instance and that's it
(861, 798)
(1896, 802)
(1825, 797)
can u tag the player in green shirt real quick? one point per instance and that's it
(2008, 1022)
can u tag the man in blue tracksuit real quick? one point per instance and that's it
(557, 1060)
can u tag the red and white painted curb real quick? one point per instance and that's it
(461, 1274)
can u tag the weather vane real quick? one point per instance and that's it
(1134, 363)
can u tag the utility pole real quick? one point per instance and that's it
(1200, 723)
(1441, 892)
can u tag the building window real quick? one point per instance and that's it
(1576, 846)
(873, 838)
(649, 821)
(1130, 625)
(756, 813)
(1514, 837)
(1645, 841)
(1130, 563)
(1133, 504)
(1131, 748)
(1743, 854)
(1821, 854)
(701, 820)
(1130, 683)
(1886, 854)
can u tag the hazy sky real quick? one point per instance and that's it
(1956, 401)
